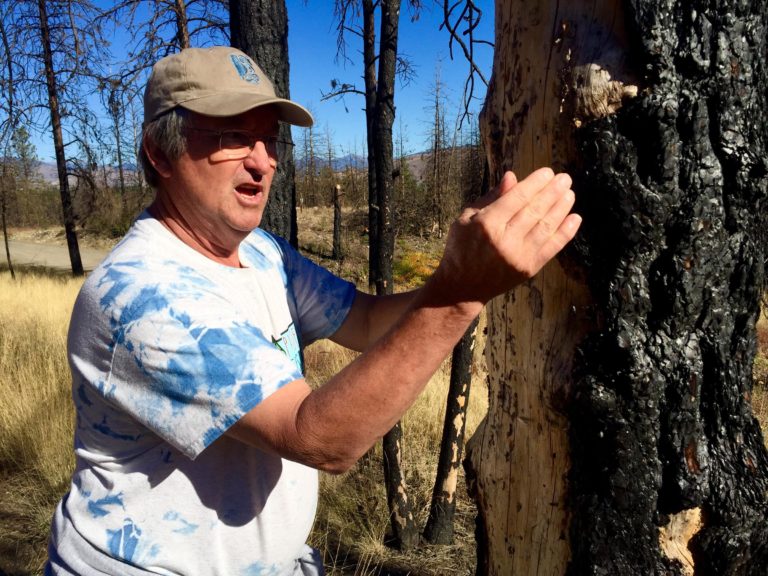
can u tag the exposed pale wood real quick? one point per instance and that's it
(675, 536)
(520, 452)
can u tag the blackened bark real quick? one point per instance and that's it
(337, 251)
(369, 76)
(673, 188)
(260, 29)
(403, 525)
(439, 528)
(58, 144)
(382, 128)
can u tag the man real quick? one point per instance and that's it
(197, 437)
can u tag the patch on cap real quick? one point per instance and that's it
(244, 68)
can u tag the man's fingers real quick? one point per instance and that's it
(508, 181)
(513, 198)
(557, 241)
(550, 222)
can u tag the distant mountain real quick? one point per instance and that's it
(339, 164)
(49, 173)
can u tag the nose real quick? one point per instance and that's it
(259, 159)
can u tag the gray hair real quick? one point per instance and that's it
(167, 133)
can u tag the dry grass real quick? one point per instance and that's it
(352, 523)
(36, 414)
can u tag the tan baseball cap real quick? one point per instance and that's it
(219, 81)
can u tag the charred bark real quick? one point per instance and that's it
(439, 527)
(338, 253)
(369, 76)
(404, 529)
(260, 29)
(68, 211)
(658, 109)
(676, 186)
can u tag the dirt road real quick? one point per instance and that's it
(51, 256)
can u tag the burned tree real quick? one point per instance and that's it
(260, 29)
(620, 437)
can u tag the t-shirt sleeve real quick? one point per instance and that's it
(322, 299)
(184, 363)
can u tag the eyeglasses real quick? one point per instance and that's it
(239, 144)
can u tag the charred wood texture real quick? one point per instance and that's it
(260, 29)
(439, 527)
(68, 211)
(620, 437)
(673, 189)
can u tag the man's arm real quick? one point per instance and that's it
(370, 317)
(492, 247)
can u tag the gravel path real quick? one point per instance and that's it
(51, 256)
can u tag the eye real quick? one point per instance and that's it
(236, 139)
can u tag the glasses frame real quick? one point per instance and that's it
(272, 144)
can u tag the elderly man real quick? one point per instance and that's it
(198, 439)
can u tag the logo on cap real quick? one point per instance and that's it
(244, 68)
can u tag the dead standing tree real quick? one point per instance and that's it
(380, 115)
(260, 29)
(620, 418)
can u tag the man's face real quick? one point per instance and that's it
(221, 199)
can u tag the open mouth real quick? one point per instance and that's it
(248, 190)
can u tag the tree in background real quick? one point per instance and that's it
(379, 96)
(260, 29)
(620, 437)
(59, 42)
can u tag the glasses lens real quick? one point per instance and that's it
(236, 141)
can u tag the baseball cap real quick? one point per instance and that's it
(219, 81)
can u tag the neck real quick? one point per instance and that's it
(170, 217)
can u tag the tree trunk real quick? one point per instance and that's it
(182, 25)
(369, 76)
(404, 529)
(337, 251)
(58, 144)
(658, 109)
(439, 528)
(10, 87)
(260, 29)
(3, 204)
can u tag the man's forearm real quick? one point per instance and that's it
(361, 403)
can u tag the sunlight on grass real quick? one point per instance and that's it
(36, 413)
(352, 521)
(36, 424)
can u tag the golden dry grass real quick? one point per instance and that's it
(352, 522)
(36, 414)
(36, 425)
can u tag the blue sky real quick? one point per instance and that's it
(313, 62)
(312, 47)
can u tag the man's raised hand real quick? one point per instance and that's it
(507, 236)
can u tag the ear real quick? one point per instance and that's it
(157, 157)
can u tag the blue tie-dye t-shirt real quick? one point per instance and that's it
(168, 349)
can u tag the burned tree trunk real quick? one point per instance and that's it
(68, 210)
(260, 29)
(337, 253)
(439, 527)
(620, 437)
(405, 533)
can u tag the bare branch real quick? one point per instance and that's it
(470, 16)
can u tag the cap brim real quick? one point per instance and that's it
(232, 104)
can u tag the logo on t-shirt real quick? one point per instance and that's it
(288, 344)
